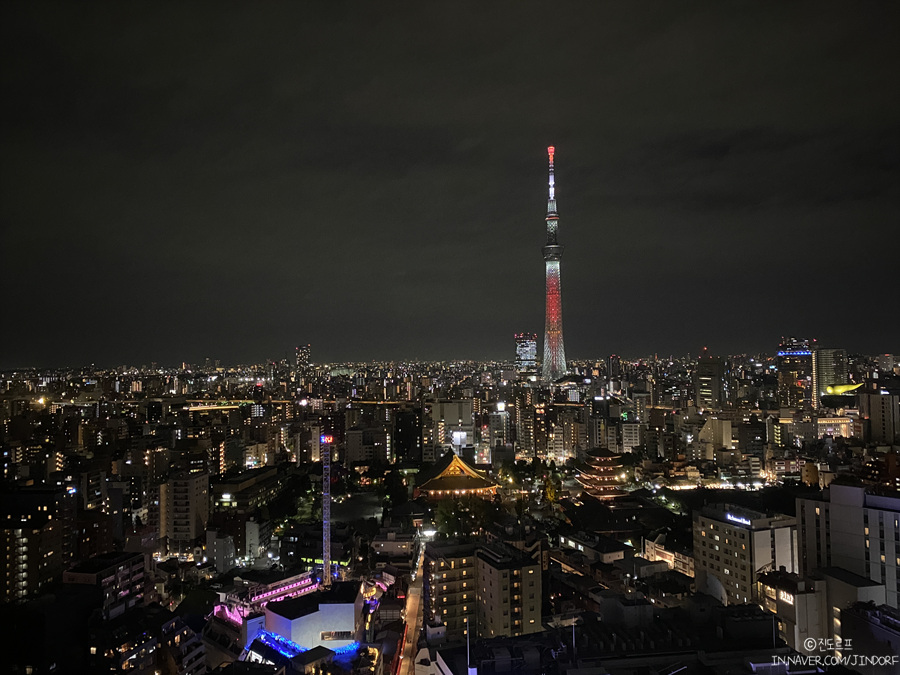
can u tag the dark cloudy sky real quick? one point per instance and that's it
(230, 181)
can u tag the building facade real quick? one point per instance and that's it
(183, 510)
(509, 592)
(449, 588)
(733, 546)
(853, 528)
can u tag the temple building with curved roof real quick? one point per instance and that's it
(455, 478)
(601, 477)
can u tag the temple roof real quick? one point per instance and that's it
(602, 453)
(453, 473)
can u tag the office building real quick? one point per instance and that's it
(733, 545)
(453, 424)
(709, 382)
(526, 351)
(829, 368)
(795, 373)
(499, 426)
(880, 414)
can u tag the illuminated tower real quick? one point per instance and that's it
(326, 442)
(554, 365)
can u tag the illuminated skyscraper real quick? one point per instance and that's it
(554, 365)
(709, 380)
(795, 376)
(526, 351)
(303, 355)
(829, 368)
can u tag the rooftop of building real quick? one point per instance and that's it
(503, 556)
(340, 593)
(741, 515)
(787, 581)
(848, 577)
(245, 476)
(104, 561)
(449, 549)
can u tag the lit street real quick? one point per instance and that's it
(413, 620)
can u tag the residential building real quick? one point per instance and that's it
(183, 510)
(119, 576)
(449, 592)
(509, 592)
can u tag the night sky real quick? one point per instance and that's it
(231, 181)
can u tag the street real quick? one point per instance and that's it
(413, 620)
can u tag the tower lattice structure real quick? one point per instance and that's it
(325, 444)
(554, 365)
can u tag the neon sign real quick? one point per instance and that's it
(327, 439)
(737, 519)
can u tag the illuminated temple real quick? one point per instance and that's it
(454, 478)
(601, 477)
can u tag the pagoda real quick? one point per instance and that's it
(601, 478)
(454, 478)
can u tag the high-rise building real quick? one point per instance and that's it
(303, 357)
(829, 368)
(613, 367)
(32, 540)
(709, 378)
(183, 510)
(526, 351)
(734, 545)
(449, 591)
(453, 424)
(119, 576)
(855, 528)
(795, 373)
(509, 592)
(499, 426)
(554, 365)
(880, 414)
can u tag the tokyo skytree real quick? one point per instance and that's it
(554, 365)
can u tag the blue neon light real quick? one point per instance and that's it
(793, 353)
(347, 649)
(280, 644)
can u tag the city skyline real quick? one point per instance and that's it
(374, 194)
(283, 381)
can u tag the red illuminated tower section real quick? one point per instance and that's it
(554, 365)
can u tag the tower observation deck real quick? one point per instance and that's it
(554, 364)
